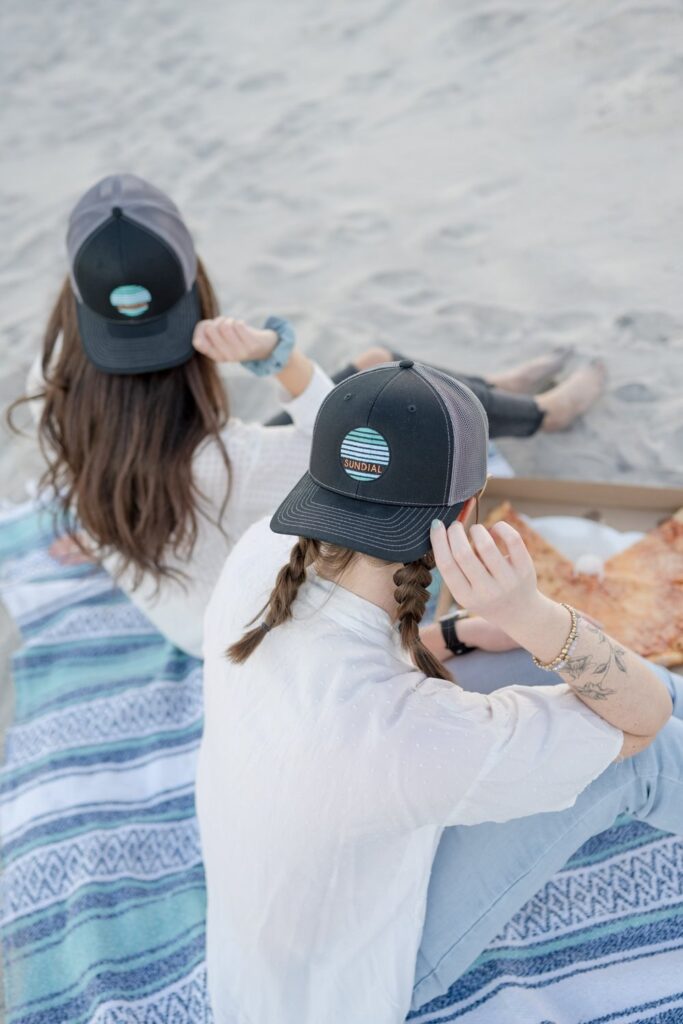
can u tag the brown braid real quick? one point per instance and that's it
(411, 596)
(279, 606)
(331, 560)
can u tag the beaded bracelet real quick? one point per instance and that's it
(550, 666)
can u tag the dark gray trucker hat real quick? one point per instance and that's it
(393, 448)
(133, 271)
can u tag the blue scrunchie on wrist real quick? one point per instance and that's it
(279, 357)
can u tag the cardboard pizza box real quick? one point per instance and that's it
(621, 506)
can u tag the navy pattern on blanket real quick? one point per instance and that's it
(103, 901)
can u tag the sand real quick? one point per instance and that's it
(469, 183)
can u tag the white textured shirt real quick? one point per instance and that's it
(328, 768)
(265, 463)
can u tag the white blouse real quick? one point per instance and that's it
(328, 768)
(265, 463)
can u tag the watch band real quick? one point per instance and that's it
(279, 357)
(450, 635)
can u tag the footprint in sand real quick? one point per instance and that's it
(257, 83)
(295, 249)
(635, 393)
(395, 279)
(361, 225)
(457, 234)
(490, 24)
(209, 147)
(364, 83)
(492, 187)
(424, 297)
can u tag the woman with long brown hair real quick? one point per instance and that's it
(152, 475)
(340, 763)
(154, 478)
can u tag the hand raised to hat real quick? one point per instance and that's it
(608, 678)
(500, 587)
(226, 340)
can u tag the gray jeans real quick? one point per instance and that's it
(509, 415)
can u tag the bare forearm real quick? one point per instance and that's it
(610, 680)
(432, 638)
(607, 677)
(296, 375)
(473, 632)
(615, 683)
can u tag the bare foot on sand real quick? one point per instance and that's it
(529, 377)
(372, 357)
(573, 397)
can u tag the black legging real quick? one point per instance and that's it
(509, 415)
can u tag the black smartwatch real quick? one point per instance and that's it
(450, 635)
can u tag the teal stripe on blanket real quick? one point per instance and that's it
(103, 900)
(103, 896)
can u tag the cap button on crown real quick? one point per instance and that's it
(406, 364)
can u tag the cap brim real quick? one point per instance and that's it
(395, 533)
(140, 346)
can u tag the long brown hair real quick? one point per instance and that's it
(119, 449)
(330, 560)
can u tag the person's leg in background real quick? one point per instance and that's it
(512, 409)
(483, 874)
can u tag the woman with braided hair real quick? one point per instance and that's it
(367, 826)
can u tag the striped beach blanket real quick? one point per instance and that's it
(103, 901)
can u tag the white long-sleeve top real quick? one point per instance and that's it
(265, 463)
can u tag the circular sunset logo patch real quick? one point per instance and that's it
(364, 454)
(130, 299)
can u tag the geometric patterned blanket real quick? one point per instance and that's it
(103, 901)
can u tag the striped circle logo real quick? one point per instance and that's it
(364, 454)
(130, 299)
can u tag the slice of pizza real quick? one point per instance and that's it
(650, 577)
(638, 599)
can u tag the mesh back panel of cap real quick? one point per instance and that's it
(470, 430)
(144, 203)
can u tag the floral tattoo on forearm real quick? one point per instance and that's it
(595, 665)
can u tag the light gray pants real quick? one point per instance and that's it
(483, 874)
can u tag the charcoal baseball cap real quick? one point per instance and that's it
(133, 272)
(393, 448)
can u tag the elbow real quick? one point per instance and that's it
(660, 714)
(663, 707)
(657, 709)
(633, 745)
